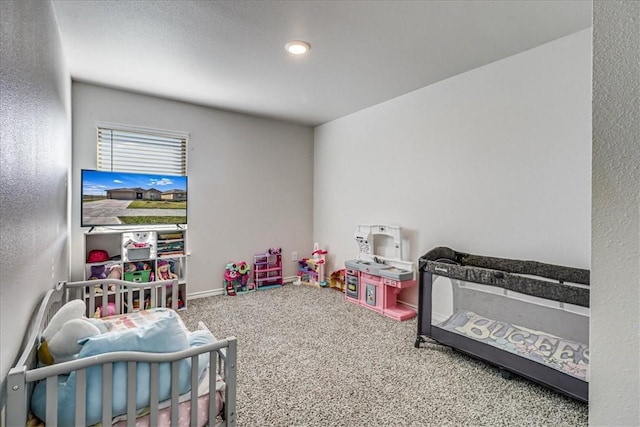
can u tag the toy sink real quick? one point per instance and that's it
(366, 266)
(396, 273)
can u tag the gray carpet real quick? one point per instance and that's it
(306, 357)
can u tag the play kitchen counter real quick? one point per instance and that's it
(374, 282)
(375, 292)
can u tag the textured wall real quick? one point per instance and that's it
(615, 275)
(35, 156)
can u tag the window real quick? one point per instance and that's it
(142, 150)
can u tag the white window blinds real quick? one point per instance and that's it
(144, 152)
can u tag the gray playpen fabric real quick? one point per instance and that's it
(510, 274)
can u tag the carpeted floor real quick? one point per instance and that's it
(306, 357)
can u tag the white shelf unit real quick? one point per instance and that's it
(163, 250)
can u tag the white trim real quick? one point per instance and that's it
(205, 294)
(142, 129)
(414, 307)
(289, 279)
(438, 318)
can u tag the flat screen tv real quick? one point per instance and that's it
(123, 198)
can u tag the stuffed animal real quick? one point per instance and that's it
(98, 272)
(164, 271)
(59, 341)
(115, 272)
(141, 236)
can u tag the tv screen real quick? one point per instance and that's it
(123, 198)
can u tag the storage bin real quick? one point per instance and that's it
(138, 276)
(137, 254)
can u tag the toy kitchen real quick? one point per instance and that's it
(374, 280)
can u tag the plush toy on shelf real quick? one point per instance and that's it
(98, 272)
(115, 272)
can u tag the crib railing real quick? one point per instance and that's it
(108, 296)
(22, 378)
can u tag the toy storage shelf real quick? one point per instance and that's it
(267, 271)
(161, 255)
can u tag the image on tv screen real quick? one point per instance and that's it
(122, 198)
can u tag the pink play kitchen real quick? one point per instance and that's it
(375, 278)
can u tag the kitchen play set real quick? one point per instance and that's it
(374, 281)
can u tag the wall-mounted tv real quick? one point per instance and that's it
(132, 199)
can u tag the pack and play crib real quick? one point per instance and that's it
(132, 368)
(526, 317)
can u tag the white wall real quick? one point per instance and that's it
(35, 154)
(495, 161)
(614, 388)
(250, 179)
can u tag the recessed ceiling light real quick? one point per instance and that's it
(297, 47)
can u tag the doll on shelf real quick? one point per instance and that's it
(164, 271)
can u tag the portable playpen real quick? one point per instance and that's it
(526, 317)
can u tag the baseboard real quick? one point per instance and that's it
(205, 294)
(411, 306)
(438, 318)
(215, 292)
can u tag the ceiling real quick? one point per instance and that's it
(230, 54)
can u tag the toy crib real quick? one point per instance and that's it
(165, 405)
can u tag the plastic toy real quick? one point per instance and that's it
(236, 278)
(337, 280)
(374, 280)
(146, 303)
(267, 269)
(311, 270)
(164, 271)
(180, 302)
(111, 310)
(98, 272)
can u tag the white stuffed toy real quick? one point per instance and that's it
(59, 341)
